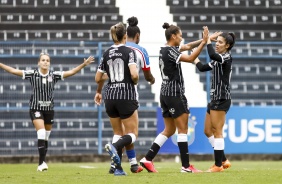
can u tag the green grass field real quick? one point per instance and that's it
(248, 172)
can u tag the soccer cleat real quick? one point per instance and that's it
(119, 172)
(113, 153)
(42, 167)
(215, 168)
(190, 169)
(136, 168)
(226, 164)
(148, 165)
(112, 168)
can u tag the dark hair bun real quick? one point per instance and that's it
(166, 25)
(132, 21)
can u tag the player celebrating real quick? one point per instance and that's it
(41, 102)
(172, 98)
(221, 66)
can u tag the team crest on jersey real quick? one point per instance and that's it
(191, 131)
(37, 114)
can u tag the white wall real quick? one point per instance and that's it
(151, 15)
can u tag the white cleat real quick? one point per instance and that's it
(42, 167)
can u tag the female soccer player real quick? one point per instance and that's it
(119, 63)
(172, 98)
(221, 66)
(143, 62)
(41, 102)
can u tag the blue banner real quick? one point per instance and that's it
(247, 130)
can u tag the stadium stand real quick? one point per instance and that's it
(256, 67)
(31, 27)
(69, 30)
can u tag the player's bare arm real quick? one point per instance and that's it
(190, 45)
(11, 70)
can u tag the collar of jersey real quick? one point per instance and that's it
(44, 75)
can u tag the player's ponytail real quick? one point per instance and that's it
(170, 30)
(132, 29)
(117, 32)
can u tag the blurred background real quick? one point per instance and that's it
(70, 30)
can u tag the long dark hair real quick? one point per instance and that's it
(170, 30)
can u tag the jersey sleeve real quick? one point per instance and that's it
(58, 75)
(132, 58)
(220, 58)
(101, 67)
(213, 55)
(145, 62)
(174, 54)
(27, 74)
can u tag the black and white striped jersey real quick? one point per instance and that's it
(115, 62)
(170, 67)
(42, 88)
(221, 65)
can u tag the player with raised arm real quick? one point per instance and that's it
(41, 103)
(221, 66)
(173, 102)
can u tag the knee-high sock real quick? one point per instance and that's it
(183, 149)
(41, 145)
(47, 135)
(218, 151)
(211, 140)
(158, 143)
(115, 139)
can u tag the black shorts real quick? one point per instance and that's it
(47, 116)
(120, 108)
(174, 106)
(219, 105)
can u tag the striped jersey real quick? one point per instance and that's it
(115, 62)
(170, 67)
(42, 88)
(221, 65)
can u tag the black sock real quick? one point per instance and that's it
(119, 152)
(224, 157)
(152, 152)
(46, 148)
(41, 150)
(122, 142)
(184, 153)
(218, 157)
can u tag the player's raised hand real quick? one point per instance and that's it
(214, 36)
(89, 60)
(205, 34)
